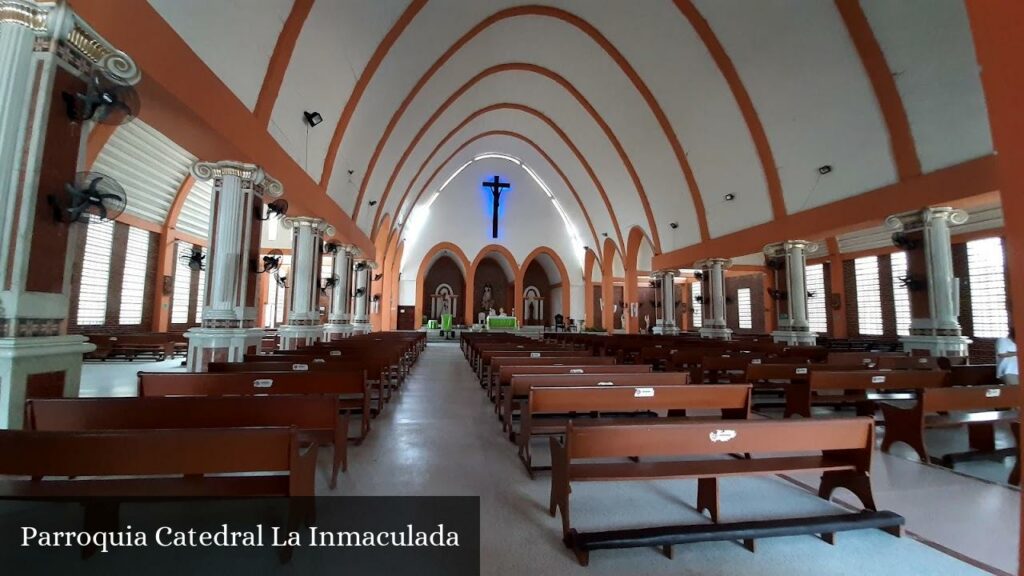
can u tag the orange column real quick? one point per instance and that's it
(837, 289)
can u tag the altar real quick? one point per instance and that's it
(502, 323)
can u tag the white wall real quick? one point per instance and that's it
(462, 215)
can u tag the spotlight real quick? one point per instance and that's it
(373, 202)
(673, 225)
(825, 169)
(313, 118)
(605, 234)
(729, 197)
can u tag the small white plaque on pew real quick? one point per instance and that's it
(576, 371)
(643, 393)
(335, 352)
(320, 360)
(262, 383)
(755, 361)
(300, 367)
(865, 360)
(534, 354)
(878, 379)
(801, 370)
(993, 393)
(604, 383)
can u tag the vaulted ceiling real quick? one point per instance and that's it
(653, 113)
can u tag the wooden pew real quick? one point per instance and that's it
(375, 367)
(492, 359)
(842, 453)
(589, 365)
(554, 401)
(856, 384)
(349, 387)
(318, 418)
(977, 407)
(908, 363)
(973, 375)
(497, 365)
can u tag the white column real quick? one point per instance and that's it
(303, 326)
(338, 322)
(229, 329)
(794, 329)
(16, 41)
(714, 325)
(666, 323)
(361, 296)
(939, 333)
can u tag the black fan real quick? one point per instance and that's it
(699, 299)
(376, 298)
(912, 284)
(811, 294)
(775, 263)
(91, 193)
(331, 247)
(377, 277)
(360, 292)
(777, 295)
(271, 261)
(698, 275)
(360, 266)
(196, 260)
(281, 280)
(277, 208)
(105, 101)
(329, 283)
(900, 240)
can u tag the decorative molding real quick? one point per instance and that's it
(919, 219)
(779, 249)
(319, 226)
(27, 14)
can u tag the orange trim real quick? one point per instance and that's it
(629, 291)
(563, 272)
(510, 134)
(380, 286)
(565, 138)
(743, 100)
(485, 252)
(421, 276)
(589, 259)
(901, 141)
(955, 239)
(607, 285)
(364, 80)
(179, 200)
(519, 67)
(970, 178)
(603, 42)
(132, 220)
(190, 105)
(98, 138)
(194, 240)
(396, 276)
(280, 59)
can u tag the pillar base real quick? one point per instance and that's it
(716, 333)
(361, 327)
(338, 331)
(937, 345)
(670, 330)
(295, 336)
(795, 338)
(207, 345)
(44, 361)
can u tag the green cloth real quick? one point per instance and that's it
(446, 322)
(497, 322)
(432, 325)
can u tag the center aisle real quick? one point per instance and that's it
(440, 437)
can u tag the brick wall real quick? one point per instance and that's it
(112, 323)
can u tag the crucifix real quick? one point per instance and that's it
(496, 187)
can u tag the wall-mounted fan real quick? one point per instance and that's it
(360, 266)
(699, 299)
(900, 240)
(360, 292)
(328, 283)
(195, 259)
(331, 247)
(91, 193)
(377, 277)
(277, 208)
(282, 281)
(105, 101)
(775, 263)
(913, 284)
(698, 275)
(270, 261)
(777, 295)
(376, 298)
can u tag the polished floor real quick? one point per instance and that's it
(440, 437)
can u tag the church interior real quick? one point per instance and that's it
(732, 280)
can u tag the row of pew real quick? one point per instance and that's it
(241, 430)
(657, 408)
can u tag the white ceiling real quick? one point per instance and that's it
(795, 59)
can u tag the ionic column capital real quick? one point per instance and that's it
(712, 262)
(780, 249)
(317, 226)
(920, 219)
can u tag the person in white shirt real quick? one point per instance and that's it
(1006, 359)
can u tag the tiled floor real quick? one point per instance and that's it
(440, 437)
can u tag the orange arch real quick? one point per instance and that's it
(558, 79)
(378, 287)
(471, 276)
(421, 275)
(280, 59)
(562, 271)
(594, 34)
(565, 138)
(609, 251)
(388, 288)
(589, 260)
(510, 134)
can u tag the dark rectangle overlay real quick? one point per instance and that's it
(389, 535)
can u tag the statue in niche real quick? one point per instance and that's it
(487, 302)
